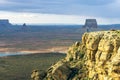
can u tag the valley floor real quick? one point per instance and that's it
(20, 67)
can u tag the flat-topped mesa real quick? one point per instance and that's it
(4, 22)
(90, 23)
(97, 57)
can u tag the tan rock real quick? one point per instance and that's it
(97, 57)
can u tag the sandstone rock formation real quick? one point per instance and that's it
(4, 23)
(97, 57)
(90, 23)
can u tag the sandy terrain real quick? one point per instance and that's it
(53, 49)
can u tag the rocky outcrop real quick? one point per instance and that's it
(103, 55)
(97, 57)
(25, 28)
(90, 23)
(4, 23)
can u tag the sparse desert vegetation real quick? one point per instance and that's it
(20, 67)
(38, 38)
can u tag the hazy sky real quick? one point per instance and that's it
(60, 11)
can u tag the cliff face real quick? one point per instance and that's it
(103, 53)
(97, 57)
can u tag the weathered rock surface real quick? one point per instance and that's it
(97, 57)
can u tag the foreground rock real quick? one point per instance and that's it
(97, 57)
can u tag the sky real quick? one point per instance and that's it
(60, 11)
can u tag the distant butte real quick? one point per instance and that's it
(4, 22)
(24, 27)
(90, 23)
